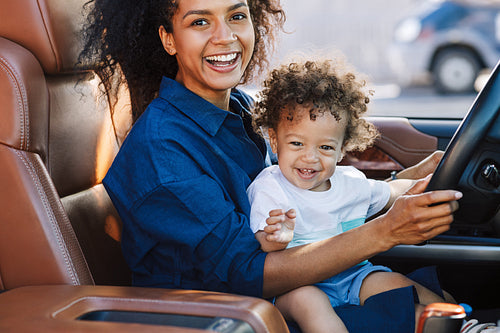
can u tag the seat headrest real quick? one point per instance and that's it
(49, 29)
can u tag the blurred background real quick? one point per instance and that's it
(441, 50)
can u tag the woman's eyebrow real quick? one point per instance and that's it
(205, 12)
(238, 5)
(196, 12)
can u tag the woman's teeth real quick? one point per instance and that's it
(221, 60)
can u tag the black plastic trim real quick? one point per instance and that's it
(214, 324)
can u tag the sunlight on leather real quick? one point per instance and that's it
(112, 227)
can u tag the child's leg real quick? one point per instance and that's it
(311, 309)
(378, 282)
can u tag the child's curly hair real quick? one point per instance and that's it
(326, 86)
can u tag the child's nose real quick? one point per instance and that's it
(310, 155)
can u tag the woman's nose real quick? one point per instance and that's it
(223, 33)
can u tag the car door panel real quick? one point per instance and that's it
(402, 143)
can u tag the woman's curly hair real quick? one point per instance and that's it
(122, 44)
(322, 85)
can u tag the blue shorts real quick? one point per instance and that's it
(388, 312)
(344, 287)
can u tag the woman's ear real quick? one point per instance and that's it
(273, 140)
(167, 39)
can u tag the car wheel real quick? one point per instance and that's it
(455, 71)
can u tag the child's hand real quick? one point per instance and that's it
(280, 226)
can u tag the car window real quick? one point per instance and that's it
(424, 59)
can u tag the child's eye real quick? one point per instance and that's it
(326, 147)
(296, 143)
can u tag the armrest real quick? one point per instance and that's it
(65, 308)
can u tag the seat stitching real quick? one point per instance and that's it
(51, 41)
(21, 101)
(55, 227)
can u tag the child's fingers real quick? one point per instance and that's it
(276, 212)
(291, 214)
(272, 228)
(275, 219)
(271, 238)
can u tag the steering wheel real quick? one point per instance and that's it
(471, 162)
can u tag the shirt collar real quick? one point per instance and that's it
(205, 114)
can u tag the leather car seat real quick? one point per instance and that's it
(59, 232)
(58, 138)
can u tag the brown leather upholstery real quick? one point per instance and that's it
(48, 28)
(408, 149)
(57, 141)
(57, 223)
(58, 307)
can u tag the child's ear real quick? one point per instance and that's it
(273, 140)
(341, 155)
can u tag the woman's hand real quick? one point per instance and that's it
(423, 168)
(417, 216)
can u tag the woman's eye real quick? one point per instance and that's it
(199, 22)
(238, 17)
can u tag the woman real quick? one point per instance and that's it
(179, 181)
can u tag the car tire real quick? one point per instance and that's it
(455, 70)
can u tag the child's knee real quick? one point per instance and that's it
(295, 300)
(304, 295)
(299, 295)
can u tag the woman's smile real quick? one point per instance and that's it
(223, 63)
(222, 60)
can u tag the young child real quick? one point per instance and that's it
(312, 111)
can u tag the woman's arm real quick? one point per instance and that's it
(409, 221)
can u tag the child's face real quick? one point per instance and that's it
(308, 150)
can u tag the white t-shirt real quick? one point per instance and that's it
(320, 215)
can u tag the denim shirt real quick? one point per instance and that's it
(179, 184)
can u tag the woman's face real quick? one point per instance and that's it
(213, 42)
